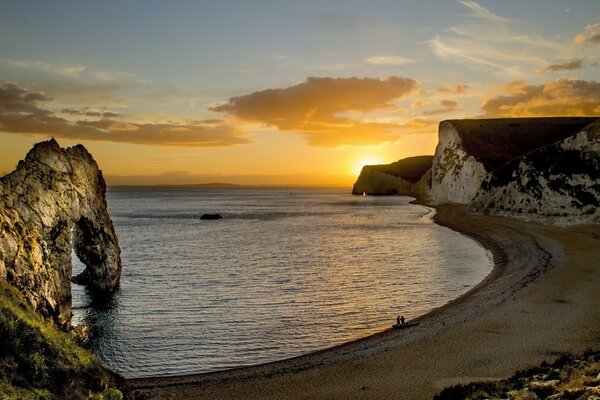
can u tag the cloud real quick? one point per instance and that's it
(86, 112)
(388, 60)
(457, 88)
(446, 107)
(69, 71)
(591, 35)
(574, 64)
(313, 108)
(20, 113)
(563, 96)
(479, 11)
(486, 40)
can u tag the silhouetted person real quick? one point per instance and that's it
(401, 321)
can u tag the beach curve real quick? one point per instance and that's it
(537, 303)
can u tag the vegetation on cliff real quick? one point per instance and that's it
(494, 142)
(570, 377)
(38, 361)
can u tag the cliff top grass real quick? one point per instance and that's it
(495, 142)
(410, 169)
(37, 361)
(570, 377)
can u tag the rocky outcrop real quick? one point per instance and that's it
(53, 203)
(560, 181)
(470, 149)
(408, 177)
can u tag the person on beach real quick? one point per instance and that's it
(400, 321)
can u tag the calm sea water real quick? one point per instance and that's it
(285, 272)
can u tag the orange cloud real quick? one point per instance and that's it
(457, 88)
(572, 65)
(314, 107)
(563, 96)
(591, 35)
(21, 114)
(447, 106)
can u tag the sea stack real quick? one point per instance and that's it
(54, 202)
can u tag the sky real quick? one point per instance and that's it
(281, 92)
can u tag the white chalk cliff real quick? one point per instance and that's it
(525, 167)
(559, 182)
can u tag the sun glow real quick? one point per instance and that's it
(366, 161)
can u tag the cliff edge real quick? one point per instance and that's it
(405, 177)
(53, 203)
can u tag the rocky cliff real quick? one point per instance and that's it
(54, 203)
(561, 181)
(470, 149)
(405, 177)
(528, 167)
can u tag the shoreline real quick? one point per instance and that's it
(376, 366)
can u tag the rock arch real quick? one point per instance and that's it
(54, 202)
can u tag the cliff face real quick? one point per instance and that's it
(455, 174)
(470, 149)
(561, 181)
(52, 203)
(407, 177)
(524, 167)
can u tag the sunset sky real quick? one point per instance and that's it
(281, 92)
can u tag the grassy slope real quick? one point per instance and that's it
(410, 169)
(570, 377)
(37, 361)
(497, 141)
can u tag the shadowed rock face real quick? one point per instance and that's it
(408, 177)
(560, 181)
(54, 202)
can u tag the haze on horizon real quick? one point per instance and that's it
(281, 92)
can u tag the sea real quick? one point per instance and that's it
(285, 272)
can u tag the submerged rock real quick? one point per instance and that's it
(53, 203)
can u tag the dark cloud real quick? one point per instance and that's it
(557, 97)
(314, 108)
(87, 113)
(20, 113)
(447, 106)
(572, 65)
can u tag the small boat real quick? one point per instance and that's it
(364, 194)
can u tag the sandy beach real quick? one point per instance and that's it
(541, 300)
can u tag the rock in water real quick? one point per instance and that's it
(54, 202)
(211, 216)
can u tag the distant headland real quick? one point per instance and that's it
(536, 168)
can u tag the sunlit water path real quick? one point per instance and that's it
(285, 272)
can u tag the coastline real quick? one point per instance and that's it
(522, 313)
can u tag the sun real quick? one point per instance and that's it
(365, 161)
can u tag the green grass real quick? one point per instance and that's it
(38, 361)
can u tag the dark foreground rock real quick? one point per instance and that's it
(54, 202)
